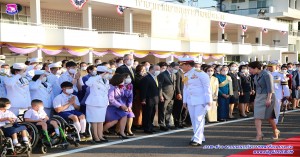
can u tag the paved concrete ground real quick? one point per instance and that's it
(176, 144)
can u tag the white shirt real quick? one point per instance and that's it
(39, 91)
(35, 115)
(54, 81)
(280, 90)
(67, 77)
(196, 90)
(18, 91)
(6, 114)
(63, 99)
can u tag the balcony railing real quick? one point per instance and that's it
(294, 33)
(247, 11)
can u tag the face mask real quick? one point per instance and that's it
(2, 71)
(210, 73)
(7, 107)
(224, 72)
(147, 68)
(41, 109)
(58, 72)
(94, 73)
(83, 68)
(127, 80)
(98, 63)
(129, 63)
(72, 71)
(284, 71)
(156, 73)
(7, 71)
(174, 71)
(244, 71)
(233, 68)
(44, 79)
(290, 69)
(69, 91)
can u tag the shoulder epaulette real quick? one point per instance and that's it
(198, 70)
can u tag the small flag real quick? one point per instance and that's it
(120, 9)
(78, 4)
(265, 30)
(244, 28)
(222, 25)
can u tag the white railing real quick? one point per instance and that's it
(118, 32)
(19, 22)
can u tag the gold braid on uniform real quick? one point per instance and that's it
(283, 83)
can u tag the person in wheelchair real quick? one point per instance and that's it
(8, 123)
(67, 105)
(38, 116)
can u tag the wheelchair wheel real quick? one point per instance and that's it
(33, 133)
(62, 122)
(28, 154)
(43, 149)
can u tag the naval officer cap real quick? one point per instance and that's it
(186, 60)
(273, 63)
(19, 66)
(39, 72)
(35, 60)
(2, 57)
(103, 69)
(55, 65)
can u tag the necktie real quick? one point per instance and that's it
(104, 81)
(130, 69)
(156, 81)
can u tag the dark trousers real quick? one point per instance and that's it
(165, 110)
(180, 114)
(148, 116)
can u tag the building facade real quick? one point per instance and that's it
(152, 30)
(283, 11)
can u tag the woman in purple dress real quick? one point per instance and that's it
(117, 111)
(128, 99)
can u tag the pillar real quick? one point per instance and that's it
(87, 22)
(221, 34)
(259, 36)
(223, 60)
(170, 59)
(241, 36)
(128, 21)
(35, 17)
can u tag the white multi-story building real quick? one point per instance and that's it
(283, 11)
(151, 30)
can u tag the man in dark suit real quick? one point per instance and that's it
(150, 97)
(127, 67)
(179, 113)
(167, 85)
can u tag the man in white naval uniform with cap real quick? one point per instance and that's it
(280, 86)
(197, 97)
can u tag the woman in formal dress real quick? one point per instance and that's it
(246, 90)
(117, 111)
(42, 90)
(137, 106)
(264, 100)
(214, 84)
(97, 102)
(127, 99)
(225, 91)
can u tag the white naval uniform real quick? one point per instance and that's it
(197, 95)
(97, 101)
(18, 93)
(53, 80)
(280, 91)
(40, 92)
(3, 93)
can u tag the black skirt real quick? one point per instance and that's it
(234, 98)
(245, 98)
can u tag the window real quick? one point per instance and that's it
(299, 26)
(261, 3)
(234, 1)
(233, 7)
(241, 1)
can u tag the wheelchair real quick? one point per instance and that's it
(71, 131)
(38, 144)
(8, 149)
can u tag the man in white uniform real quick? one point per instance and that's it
(280, 85)
(53, 78)
(197, 97)
(33, 65)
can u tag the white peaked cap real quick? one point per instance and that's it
(2, 57)
(55, 65)
(19, 66)
(103, 69)
(33, 60)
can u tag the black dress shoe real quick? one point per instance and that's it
(148, 132)
(180, 126)
(172, 127)
(195, 144)
(163, 128)
(222, 120)
(104, 140)
(128, 134)
(98, 141)
(243, 116)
